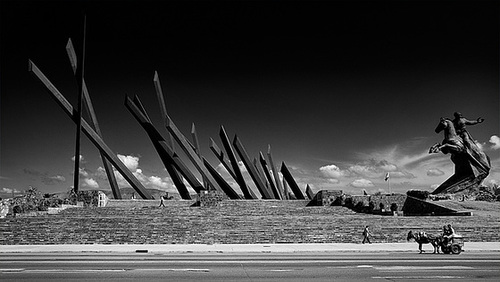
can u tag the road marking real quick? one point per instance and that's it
(11, 269)
(411, 267)
(174, 269)
(418, 277)
(364, 266)
(19, 270)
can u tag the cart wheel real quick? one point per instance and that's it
(456, 249)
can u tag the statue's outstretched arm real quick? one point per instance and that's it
(473, 122)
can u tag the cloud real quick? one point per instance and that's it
(333, 181)
(333, 171)
(9, 191)
(361, 183)
(131, 162)
(435, 172)
(365, 171)
(495, 141)
(83, 172)
(148, 181)
(89, 182)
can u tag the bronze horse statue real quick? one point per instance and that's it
(452, 143)
(423, 238)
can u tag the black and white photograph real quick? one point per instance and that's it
(249, 140)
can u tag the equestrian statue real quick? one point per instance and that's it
(472, 165)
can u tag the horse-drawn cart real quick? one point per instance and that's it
(455, 247)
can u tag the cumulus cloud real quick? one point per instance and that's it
(435, 172)
(149, 181)
(83, 172)
(9, 191)
(495, 141)
(362, 183)
(131, 162)
(89, 182)
(333, 171)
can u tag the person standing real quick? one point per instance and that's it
(366, 235)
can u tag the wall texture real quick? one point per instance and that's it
(233, 221)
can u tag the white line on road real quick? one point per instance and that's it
(412, 267)
(418, 277)
(22, 270)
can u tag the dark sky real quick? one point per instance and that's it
(343, 91)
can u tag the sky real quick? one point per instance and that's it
(343, 91)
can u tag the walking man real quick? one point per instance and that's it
(162, 204)
(366, 235)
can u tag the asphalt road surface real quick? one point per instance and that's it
(249, 267)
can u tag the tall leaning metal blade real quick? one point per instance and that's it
(90, 132)
(80, 70)
(163, 108)
(93, 121)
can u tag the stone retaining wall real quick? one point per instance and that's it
(232, 222)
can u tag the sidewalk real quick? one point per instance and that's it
(240, 248)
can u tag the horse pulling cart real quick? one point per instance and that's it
(454, 246)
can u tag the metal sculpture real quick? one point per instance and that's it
(291, 182)
(309, 192)
(222, 183)
(221, 157)
(188, 149)
(251, 169)
(234, 163)
(91, 134)
(79, 74)
(93, 120)
(268, 187)
(277, 180)
(137, 109)
(270, 180)
(472, 165)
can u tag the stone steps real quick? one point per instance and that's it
(234, 222)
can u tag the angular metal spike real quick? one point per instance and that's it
(91, 134)
(251, 169)
(138, 111)
(188, 149)
(270, 180)
(220, 155)
(291, 182)
(234, 163)
(277, 180)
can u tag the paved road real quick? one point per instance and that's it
(249, 267)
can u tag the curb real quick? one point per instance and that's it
(237, 248)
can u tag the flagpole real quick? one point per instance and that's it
(389, 184)
(388, 179)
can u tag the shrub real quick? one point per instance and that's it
(419, 194)
(394, 207)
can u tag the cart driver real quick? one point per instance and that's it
(448, 233)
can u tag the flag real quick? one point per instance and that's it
(386, 177)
